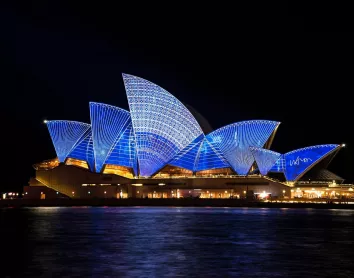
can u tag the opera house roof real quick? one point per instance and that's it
(158, 130)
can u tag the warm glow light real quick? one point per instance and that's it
(225, 191)
(89, 192)
(105, 192)
(73, 192)
(45, 121)
(160, 184)
(263, 194)
(244, 192)
(351, 189)
(343, 145)
(137, 184)
(284, 191)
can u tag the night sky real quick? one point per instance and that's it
(230, 63)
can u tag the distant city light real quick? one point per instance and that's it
(45, 121)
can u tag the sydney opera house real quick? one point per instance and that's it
(162, 148)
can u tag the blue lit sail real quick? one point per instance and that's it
(108, 125)
(279, 166)
(123, 152)
(162, 125)
(209, 157)
(66, 135)
(84, 150)
(298, 162)
(234, 141)
(265, 159)
(187, 157)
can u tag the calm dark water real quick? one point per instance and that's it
(176, 242)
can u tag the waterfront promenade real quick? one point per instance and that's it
(188, 202)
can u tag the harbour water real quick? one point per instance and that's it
(176, 242)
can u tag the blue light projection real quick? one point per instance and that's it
(210, 158)
(279, 166)
(162, 125)
(108, 125)
(84, 150)
(123, 152)
(187, 157)
(265, 159)
(65, 136)
(298, 162)
(234, 141)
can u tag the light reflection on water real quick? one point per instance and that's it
(177, 242)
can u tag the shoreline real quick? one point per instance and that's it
(18, 203)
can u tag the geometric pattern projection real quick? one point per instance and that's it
(160, 130)
(123, 151)
(279, 165)
(234, 141)
(108, 124)
(265, 159)
(65, 135)
(210, 158)
(84, 150)
(298, 162)
(162, 125)
(187, 157)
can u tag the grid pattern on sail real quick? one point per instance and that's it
(187, 157)
(123, 152)
(265, 159)
(65, 135)
(234, 141)
(279, 165)
(84, 150)
(299, 161)
(209, 157)
(162, 125)
(108, 124)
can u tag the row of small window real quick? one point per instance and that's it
(98, 184)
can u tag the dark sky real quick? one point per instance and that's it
(229, 63)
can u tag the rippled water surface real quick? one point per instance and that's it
(176, 242)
